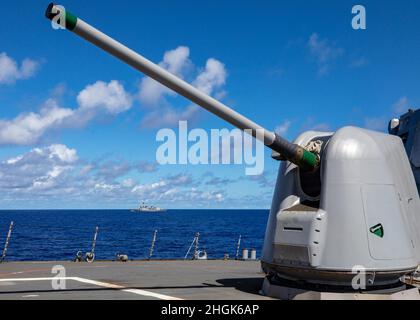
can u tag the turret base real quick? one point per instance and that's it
(288, 293)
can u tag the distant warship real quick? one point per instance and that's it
(145, 208)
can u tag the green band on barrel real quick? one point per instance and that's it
(309, 160)
(71, 21)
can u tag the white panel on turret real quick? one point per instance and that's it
(386, 232)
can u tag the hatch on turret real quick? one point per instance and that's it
(387, 236)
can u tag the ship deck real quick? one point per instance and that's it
(156, 279)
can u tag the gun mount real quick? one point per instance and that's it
(349, 200)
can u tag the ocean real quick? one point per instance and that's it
(59, 234)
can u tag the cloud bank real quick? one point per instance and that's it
(10, 71)
(46, 174)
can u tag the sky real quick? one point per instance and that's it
(78, 127)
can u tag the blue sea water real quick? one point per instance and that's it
(59, 234)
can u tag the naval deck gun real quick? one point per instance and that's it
(342, 200)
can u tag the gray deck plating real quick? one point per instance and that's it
(211, 279)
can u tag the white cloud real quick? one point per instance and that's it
(62, 153)
(212, 77)
(10, 72)
(283, 127)
(175, 61)
(178, 188)
(27, 128)
(55, 169)
(95, 99)
(210, 80)
(401, 106)
(380, 122)
(311, 123)
(49, 180)
(323, 52)
(28, 68)
(111, 170)
(169, 117)
(128, 183)
(105, 186)
(38, 169)
(47, 173)
(151, 91)
(111, 96)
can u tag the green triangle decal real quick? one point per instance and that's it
(377, 230)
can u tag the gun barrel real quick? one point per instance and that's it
(290, 151)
